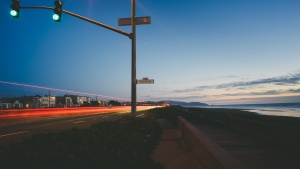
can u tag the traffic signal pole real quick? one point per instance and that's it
(132, 36)
(81, 17)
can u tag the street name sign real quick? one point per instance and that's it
(145, 80)
(138, 21)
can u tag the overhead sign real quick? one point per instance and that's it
(145, 80)
(138, 21)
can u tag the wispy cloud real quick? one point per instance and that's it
(268, 92)
(272, 87)
(183, 98)
(241, 94)
(288, 80)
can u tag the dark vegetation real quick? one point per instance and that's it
(169, 113)
(124, 143)
(114, 103)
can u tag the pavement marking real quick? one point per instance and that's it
(104, 117)
(4, 135)
(78, 122)
(140, 115)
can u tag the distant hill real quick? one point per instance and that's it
(186, 104)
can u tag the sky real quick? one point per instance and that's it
(210, 51)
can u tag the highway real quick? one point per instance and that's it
(19, 123)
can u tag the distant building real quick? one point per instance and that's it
(28, 102)
(82, 99)
(5, 105)
(79, 100)
(17, 104)
(38, 101)
(64, 101)
(98, 103)
(102, 103)
(46, 103)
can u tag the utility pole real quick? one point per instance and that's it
(133, 64)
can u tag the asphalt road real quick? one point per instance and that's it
(13, 130)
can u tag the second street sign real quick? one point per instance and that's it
(138, 21)
(145, 81)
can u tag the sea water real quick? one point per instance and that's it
(274, 109)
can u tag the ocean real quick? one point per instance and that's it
(274, 109)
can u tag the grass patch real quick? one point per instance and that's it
(170, 113)
(124, 143)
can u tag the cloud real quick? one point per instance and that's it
(260, 100)
(281, 80)
(287, 80)
(268, 92)
(183, 98)
(258, 88)
(242, 94)
(294, 90)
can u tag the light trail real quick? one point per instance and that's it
(42, 112)
(62, 90)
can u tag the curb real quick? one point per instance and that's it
(207, 152)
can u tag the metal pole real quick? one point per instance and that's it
(133, 64)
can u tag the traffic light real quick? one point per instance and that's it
(57, 11)
(15, 8)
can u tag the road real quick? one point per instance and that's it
(16, 124)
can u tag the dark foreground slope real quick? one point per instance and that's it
(124, 143)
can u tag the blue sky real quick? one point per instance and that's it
(212, 51)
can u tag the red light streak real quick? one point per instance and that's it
(48, 112)
(62, 90)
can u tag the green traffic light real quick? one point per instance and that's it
(55, 17)
(13, 13)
